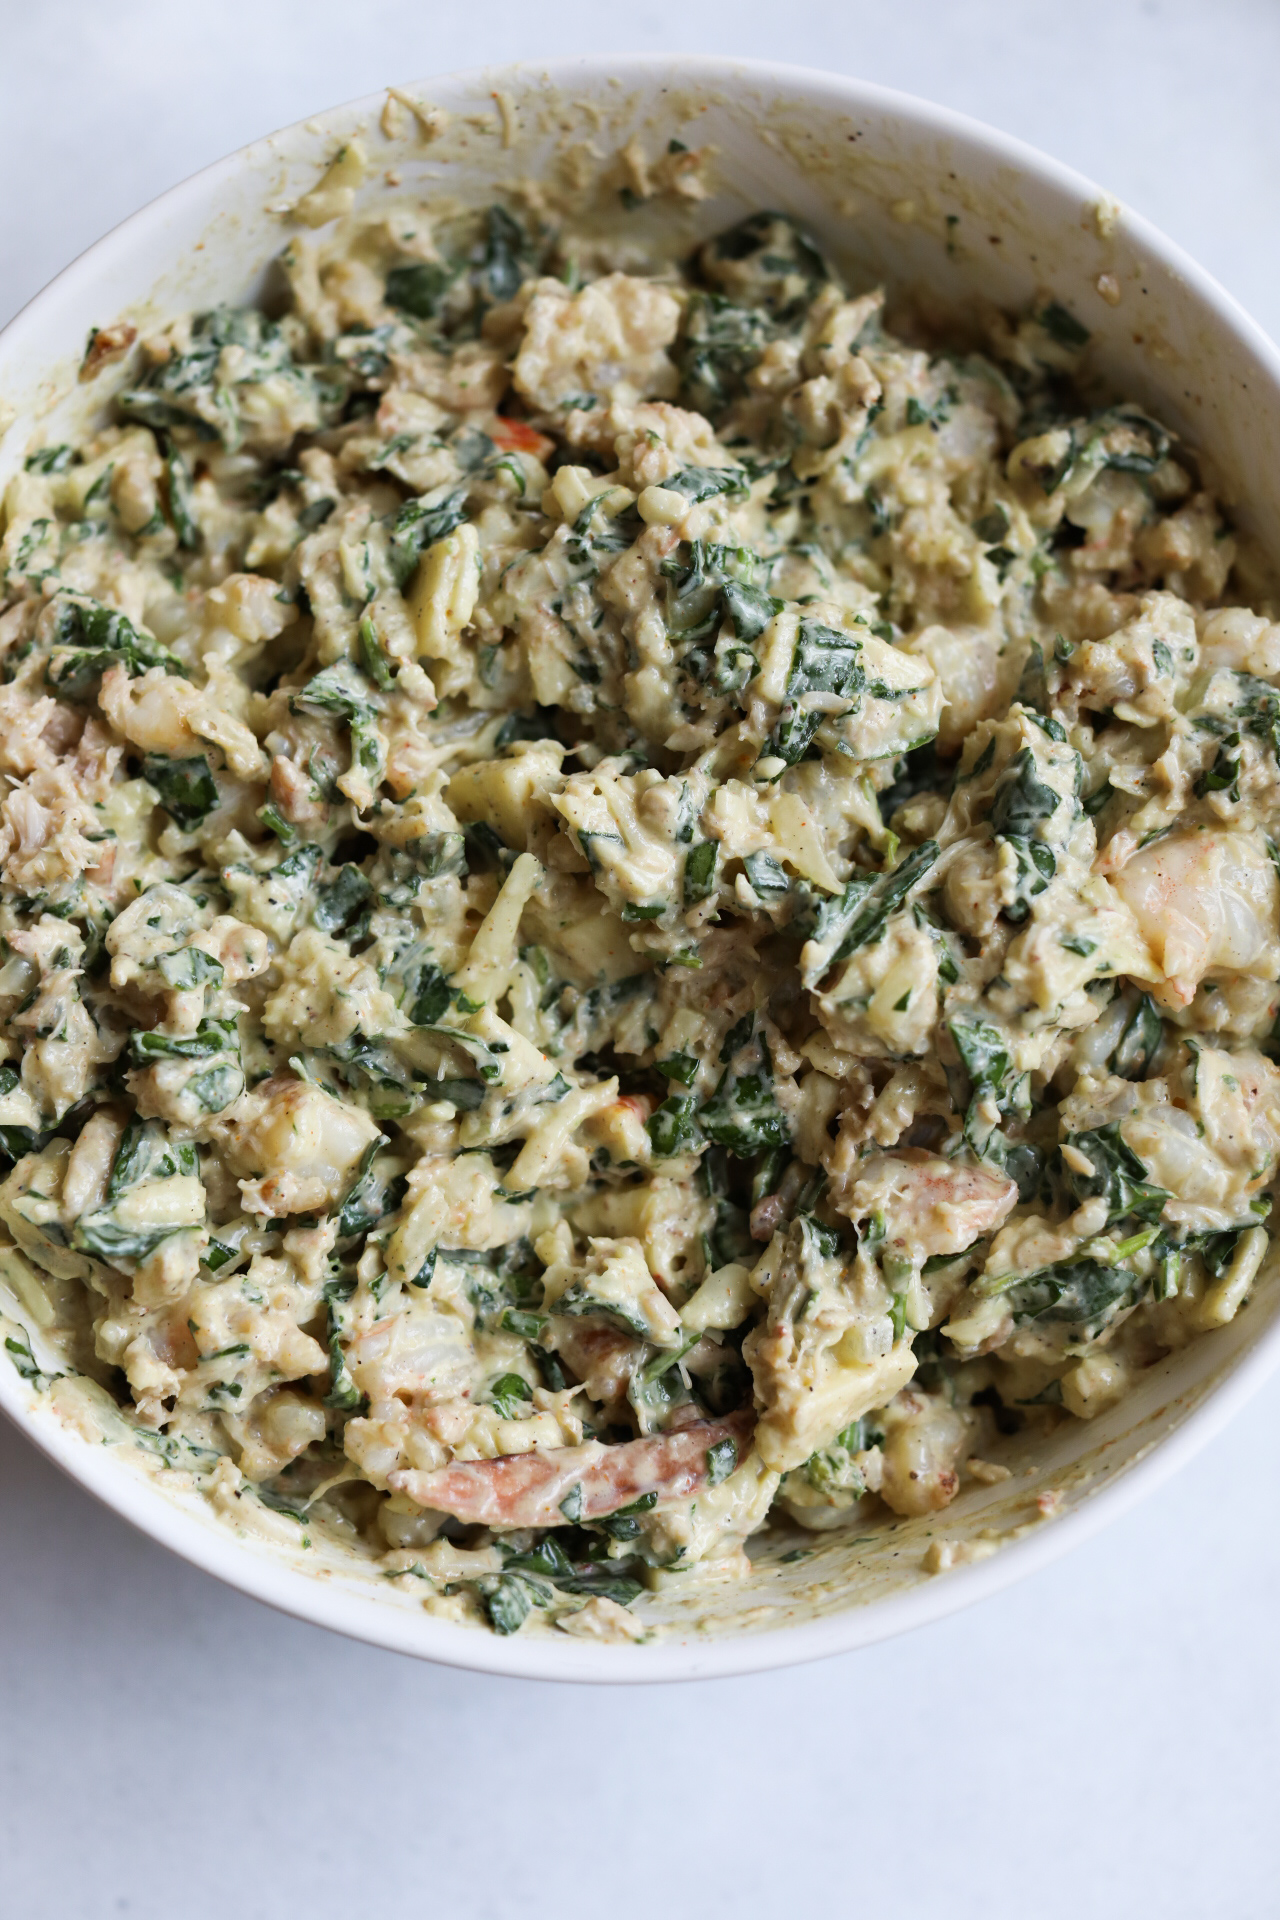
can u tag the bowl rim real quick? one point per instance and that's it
(241, 1563)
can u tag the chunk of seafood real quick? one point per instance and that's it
(929, 1205)
(581, 1483)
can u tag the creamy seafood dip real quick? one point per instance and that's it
(630, 904)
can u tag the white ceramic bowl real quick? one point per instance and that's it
(897, 190)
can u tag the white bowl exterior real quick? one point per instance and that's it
(876, 176)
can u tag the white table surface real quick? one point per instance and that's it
(1098, 1742)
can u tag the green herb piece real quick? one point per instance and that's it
(27, 1367)
(748, 609)
(344, 1396)
(983, 1051)
(187, 788)
(216, 1088)
(431, 995)
(1140, 1040)
(577, 1302)
(365, 1202)
(274, 821)
(512, 1600)
(182, 507)
(571, 1505)
(722, 1459)
(742, 1114)
(100, 1233)
(548, 1558)
(1224, 775)
(434, 856)
(994, 524)
(281, 1503)
(419, 524)
(624, 1524)
(1061, 325)
(192, 389)
(341, 902)
(315, 513)
(705, 483)
(210, 1037)
(419, 289)
(1022, 799)
(500, 272)
(226, 1247)
(140, 1148)
(834, 1469)
(1077, 1292)
(511, 1396)
(674, 1127)
(189, 967)
(602, 1583)
(765, 877)
(679, 1066)
(88, 639)
(528, 1326)
(1118, 1175)
(984, 1055)
(919, 415)
(372, 658)
(341, 690)
(1023, 803)
(51, 460)
(825, 661)
(721, 343)
(859, 915)
(700, 871)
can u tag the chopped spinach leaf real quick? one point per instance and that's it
(372, 658)
(674, 1127)
(700, 871)
(419, 524)
(512, 1600)
(705, 483)
(187, 788)
(1140, 1041)
(511, 1395)
(189, 967)
(859, 915)
(366, 1200)
(418, 289)
(500, 271)
(825, 661)
(743, 1114)
(341, 902)
(1077, 1292)
(210, 1037)
(1061, 325)
(1118, 1175)
(88, 639)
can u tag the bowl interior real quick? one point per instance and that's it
(946, 215)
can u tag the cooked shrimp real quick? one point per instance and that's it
(1206, 902)
(925, 1440)
(929, 1205)
(538, 1489)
